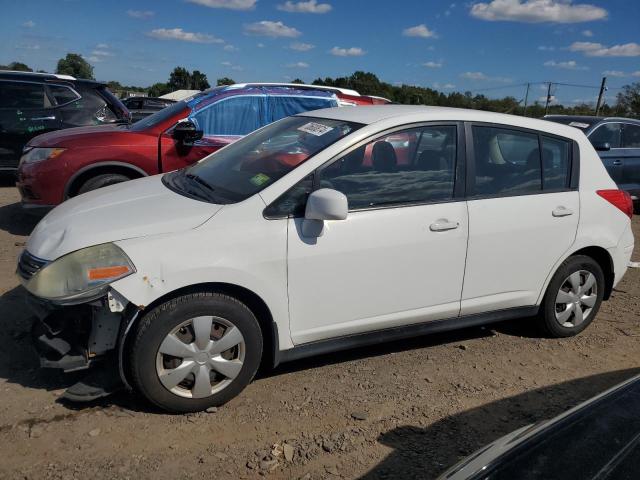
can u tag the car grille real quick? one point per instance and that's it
(29, 265)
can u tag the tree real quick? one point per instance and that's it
(297, 80)
(199, 81)
(17, 67)
(180, 79)
(159, 89)
(225, 81)
(629, 99)
(73, 64)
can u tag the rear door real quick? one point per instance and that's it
(523, 215)
(25, 111)
(613, 159)
(631, 169)
(222, 123)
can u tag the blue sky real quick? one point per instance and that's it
(449, 45)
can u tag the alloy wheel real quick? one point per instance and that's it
(576, 298)
(200, 357)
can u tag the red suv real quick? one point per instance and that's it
(59, 165)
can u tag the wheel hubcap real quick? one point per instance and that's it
(200, 357)
(576, 298)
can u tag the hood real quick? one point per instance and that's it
(93, 135)
(136, 208)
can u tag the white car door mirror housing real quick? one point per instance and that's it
(326, 204)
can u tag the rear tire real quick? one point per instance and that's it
(100, 181)
(573, 297)
(195, 351)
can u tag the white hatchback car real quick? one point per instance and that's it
(321, 232)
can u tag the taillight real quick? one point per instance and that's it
(619, 199)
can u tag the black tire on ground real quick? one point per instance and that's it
(159, 322)
(547, 315)
(100, 181)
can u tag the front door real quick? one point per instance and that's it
(523, 216)
(399, 256)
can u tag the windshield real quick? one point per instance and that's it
(251, 164)
(159, 117)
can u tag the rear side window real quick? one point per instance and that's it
(23, 95)
(63, 95)
(232, 116)
(408, 167)
(610, 133)
(507, 162)
(284, 106)
(556, 163)
(631, 136)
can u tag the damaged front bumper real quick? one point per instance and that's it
(87, 336)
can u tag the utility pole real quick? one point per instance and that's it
(526, 99)
(603, 88)
(546, 107)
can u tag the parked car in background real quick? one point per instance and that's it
(598, 439)
(141, 107)
(36, 103)
(60, 165)
(324, 231)
(617, 141)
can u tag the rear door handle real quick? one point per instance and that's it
(617, 163)
(442, 225)
(562, 212)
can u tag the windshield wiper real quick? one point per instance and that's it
(200, 181)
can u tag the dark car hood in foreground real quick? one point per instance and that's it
(599, 439)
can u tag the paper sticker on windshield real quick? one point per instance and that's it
(579, 124)
(259, 179)
(316, 129)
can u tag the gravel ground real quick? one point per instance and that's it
(407, 409)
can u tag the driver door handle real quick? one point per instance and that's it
(562, 212)
(442, 225)
(42, 118)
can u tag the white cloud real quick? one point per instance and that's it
(229, 4)
(29, 24)
(537, 11)
(614, 73)
(230, 48)
(309, 6)
(301, 47)
(546, 48)
(568, 65)
(260, 45)
(587, 33)
(94, 59)
(446, 86)
(231, 66)
(592, 49)
(268, 28)
(102, 46)
(347, 52)
(419, 31)
(28, 47)
(143, 14)
(102, 53)
(432, 64)
(180, 34)
(636, 73)
(479, 76)
(298, 65)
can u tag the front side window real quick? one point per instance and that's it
(233, 116)
(23, 95)
(256, 161)
(610, 133)
(408, 167)
(507, 162)
(631, 136)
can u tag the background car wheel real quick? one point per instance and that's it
(573, 297)
(195, 351)
(103, 180)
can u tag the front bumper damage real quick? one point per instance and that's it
(87, 336)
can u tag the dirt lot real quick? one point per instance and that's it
(404, 410)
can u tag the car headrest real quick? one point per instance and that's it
(384, 157)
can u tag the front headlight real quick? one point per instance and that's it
(36, 154)
(81, 275)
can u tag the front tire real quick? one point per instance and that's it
(573, 297)
(195, 351)
(100, 181)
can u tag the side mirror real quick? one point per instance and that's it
(187, 132)
(602, 146)
(323, 204)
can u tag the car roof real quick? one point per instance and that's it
(40, 76)
(368, 115)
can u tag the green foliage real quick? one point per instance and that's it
(16, 66)
(73, 64)
(297, 80)
(159, 89)
(182, 79)
(629, 99)
(225, 81)
(199, 81)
